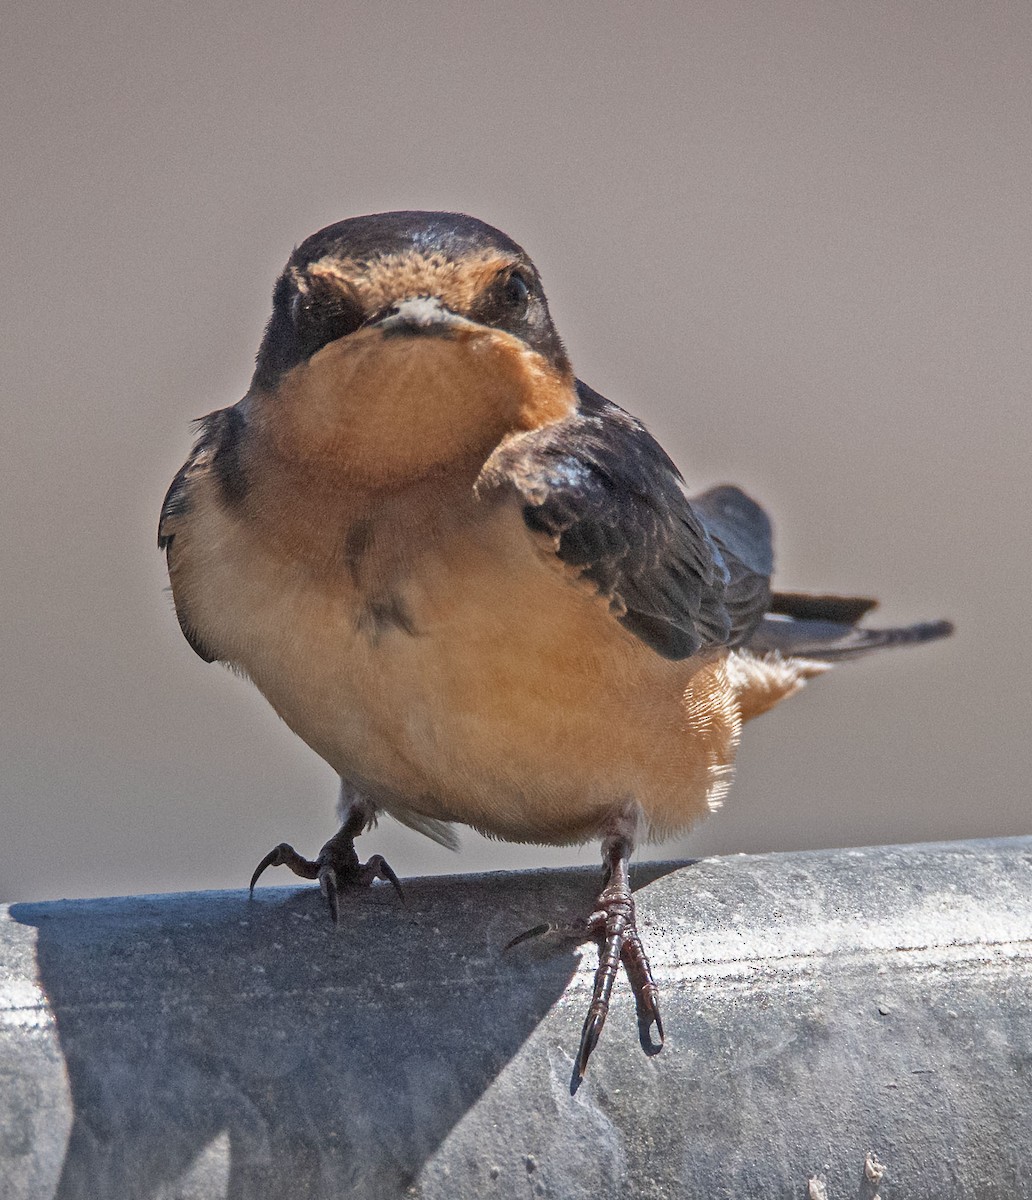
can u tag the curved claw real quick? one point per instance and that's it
(537, 931)
(268, 861)
(281, 856)
(394, 881)
(379, 868)
(589, 1038)
(328, 884)
(646, 994)
(648, 1015)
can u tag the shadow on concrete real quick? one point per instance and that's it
(217, 1046)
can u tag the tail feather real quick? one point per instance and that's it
(832, 641)
(844, 609)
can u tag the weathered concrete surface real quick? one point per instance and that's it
(819, 1006)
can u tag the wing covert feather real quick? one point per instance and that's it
(681, 574)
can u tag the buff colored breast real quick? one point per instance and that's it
(508, 698)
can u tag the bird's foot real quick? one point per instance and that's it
(613, 925)
(336, 866)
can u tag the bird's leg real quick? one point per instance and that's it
(613, 923)
(337, 864)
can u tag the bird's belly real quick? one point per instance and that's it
(491, 690)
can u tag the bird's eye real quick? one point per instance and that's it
(517, 289)
(323, 314)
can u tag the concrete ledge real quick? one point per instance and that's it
(819, 1007)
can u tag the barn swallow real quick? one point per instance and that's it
(474, 586)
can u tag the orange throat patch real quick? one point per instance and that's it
(380, 411)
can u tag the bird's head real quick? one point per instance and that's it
(404, 340)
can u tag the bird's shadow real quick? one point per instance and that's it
(330, 1062)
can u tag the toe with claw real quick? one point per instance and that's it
(336, 866)
(613, 925)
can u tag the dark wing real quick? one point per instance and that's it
(217, 449)
(742, 533)
(680, 574)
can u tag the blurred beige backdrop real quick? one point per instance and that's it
(794, 237)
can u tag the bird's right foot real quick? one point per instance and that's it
(336, 866)
(613, 926)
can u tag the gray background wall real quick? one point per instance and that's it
(793, 237)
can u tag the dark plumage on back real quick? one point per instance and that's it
(681, 574)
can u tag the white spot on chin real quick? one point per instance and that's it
(422, 311)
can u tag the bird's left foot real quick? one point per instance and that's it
(336, 866)
(613, 925)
